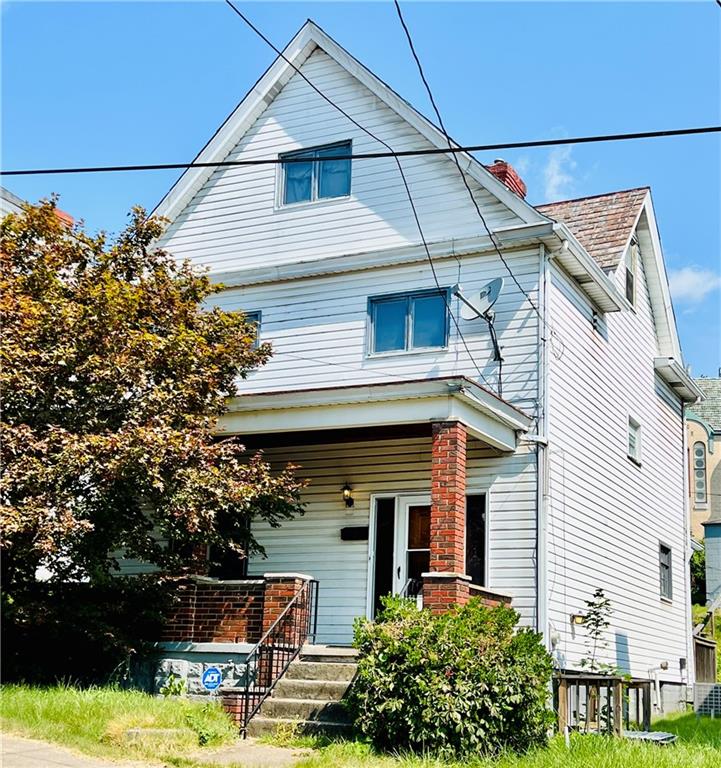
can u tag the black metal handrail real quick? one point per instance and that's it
(277, 648)
(412, 588)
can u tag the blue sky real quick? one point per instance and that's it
(94, 83)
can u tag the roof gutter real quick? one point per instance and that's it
(675, 375)
(607, 296)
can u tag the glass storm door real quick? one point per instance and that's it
(413, 543)
(401, 546)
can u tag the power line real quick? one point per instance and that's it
(400, 171)
(451, 150)
(490, 234)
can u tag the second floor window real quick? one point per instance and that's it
(254, 319)
(311, 177)
(665, 571)
(699, 473)
(634, 440)
(409, 321)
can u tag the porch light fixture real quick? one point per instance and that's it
(347, 495)
(577, 619)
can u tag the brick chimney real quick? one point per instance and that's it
(506, 173)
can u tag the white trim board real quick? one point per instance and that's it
(307, 39)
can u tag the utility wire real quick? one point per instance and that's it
(400, 171)
(452, 150)
(490, 234)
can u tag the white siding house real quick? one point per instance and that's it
(565, 508)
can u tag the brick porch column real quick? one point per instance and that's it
(446, 584)
(280, 589)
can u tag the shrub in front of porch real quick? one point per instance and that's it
(457, 683)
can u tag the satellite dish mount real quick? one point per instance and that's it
(480, 304)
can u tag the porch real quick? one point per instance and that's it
(419, 488)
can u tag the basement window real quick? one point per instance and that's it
(407, 322)
(665, 571)
(311, 177)
(634, 440)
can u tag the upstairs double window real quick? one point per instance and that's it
(309, 175)
(405, 322)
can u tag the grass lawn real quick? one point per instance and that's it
(698, 746)
(94, 721)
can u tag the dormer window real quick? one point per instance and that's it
(309, 176)
(632, 270)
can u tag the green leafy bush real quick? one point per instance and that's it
(458, 683)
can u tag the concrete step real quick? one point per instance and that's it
(330, 690)
(261, 726)
(330, 653)
(321, 670)
(304, 709)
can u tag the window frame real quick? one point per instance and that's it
(665, 550)
(315, 175)
(698, 502)
(409, 296)
(631, 269)
(634, 424)
(251, 316)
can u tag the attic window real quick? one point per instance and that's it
(632, 270)
(310, 177)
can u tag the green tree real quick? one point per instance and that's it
(698, 577)
(114, 372)
(596, 621)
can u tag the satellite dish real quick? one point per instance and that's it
(479, 304)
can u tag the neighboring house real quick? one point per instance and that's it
(703, 425)
(420, 471)
(9, 203)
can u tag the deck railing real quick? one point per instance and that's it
(277, 648)
(602, 703)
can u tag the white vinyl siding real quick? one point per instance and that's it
(235, 220)
(318, 328)
(607, 515)
(311, 544)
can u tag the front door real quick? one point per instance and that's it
(400, 550)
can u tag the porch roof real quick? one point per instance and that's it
(418, 401)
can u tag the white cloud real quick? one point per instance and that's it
(693, 283)
(558, 174)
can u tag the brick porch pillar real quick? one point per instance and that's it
(280, 589)
(446, 584)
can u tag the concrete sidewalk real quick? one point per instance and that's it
(18, 752)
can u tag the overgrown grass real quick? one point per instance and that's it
(698, 746)
(94, 721)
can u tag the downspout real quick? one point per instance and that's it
(542, 469)
(690, 651)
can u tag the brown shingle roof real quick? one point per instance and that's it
(601, 223)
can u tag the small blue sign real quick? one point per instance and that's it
(212, 678)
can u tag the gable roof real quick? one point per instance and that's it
(309, 38)
(709, 410)
(603, 224)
